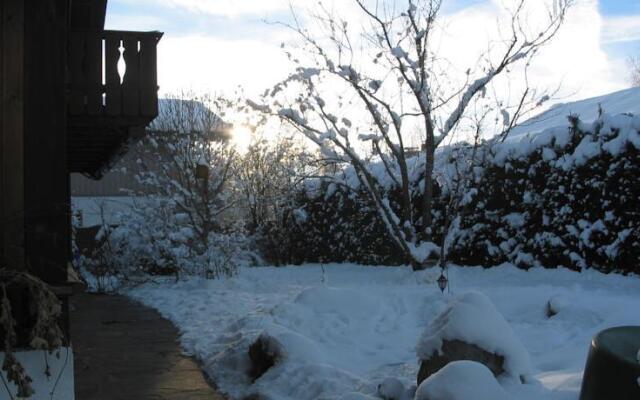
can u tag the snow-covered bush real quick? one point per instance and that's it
(563, 197)
(152, 239)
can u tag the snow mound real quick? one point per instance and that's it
(391, 388)
(394, 389)
(328, 300)
(472, 318)
(309, 338)
(461, 380)
(357, 396)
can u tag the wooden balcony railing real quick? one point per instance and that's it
(97, 88)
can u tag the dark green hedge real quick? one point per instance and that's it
(530, 211)
(584, 216)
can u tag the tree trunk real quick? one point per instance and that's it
(427, 197)
(406, 200)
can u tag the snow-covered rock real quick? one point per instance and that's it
(391, 389)
(394, 389)
(461, 380)
(555, 305)
(471, 328)
(264, 353)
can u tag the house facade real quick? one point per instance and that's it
(65, 109)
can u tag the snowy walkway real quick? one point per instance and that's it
(124, 350)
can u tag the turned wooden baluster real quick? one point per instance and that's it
(113, 86)
(131, 81)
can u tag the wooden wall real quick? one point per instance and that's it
(12, 132)
(34, 182)
(46, 190)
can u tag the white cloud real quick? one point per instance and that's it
(621, 29)
(208, 64)
(575, 58)
(130, 22)
(232, 8)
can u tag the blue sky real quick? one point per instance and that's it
(620, 7)
(615, 9)
(216, 45)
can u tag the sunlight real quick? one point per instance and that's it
(241, 138)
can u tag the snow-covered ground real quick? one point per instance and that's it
(349, 328)
(98, 210)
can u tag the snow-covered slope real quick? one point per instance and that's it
(624, 101)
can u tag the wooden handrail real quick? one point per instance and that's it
(157, 34)
(96, 88)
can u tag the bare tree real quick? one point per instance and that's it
(634, 67)
(377, 82)
(267, 177)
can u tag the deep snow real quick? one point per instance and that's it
(460, 380)
(349, 328)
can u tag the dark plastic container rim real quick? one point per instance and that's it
(620, 342)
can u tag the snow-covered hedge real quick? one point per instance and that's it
(336, 222)
(566, 196)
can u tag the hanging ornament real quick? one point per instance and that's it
(442, 282)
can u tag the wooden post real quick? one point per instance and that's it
(12, 133)
(149, 76)
(94, 73)
(77, 71)
(46, 190)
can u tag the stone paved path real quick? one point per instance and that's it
(124, 350)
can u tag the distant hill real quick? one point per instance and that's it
(623, 102)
